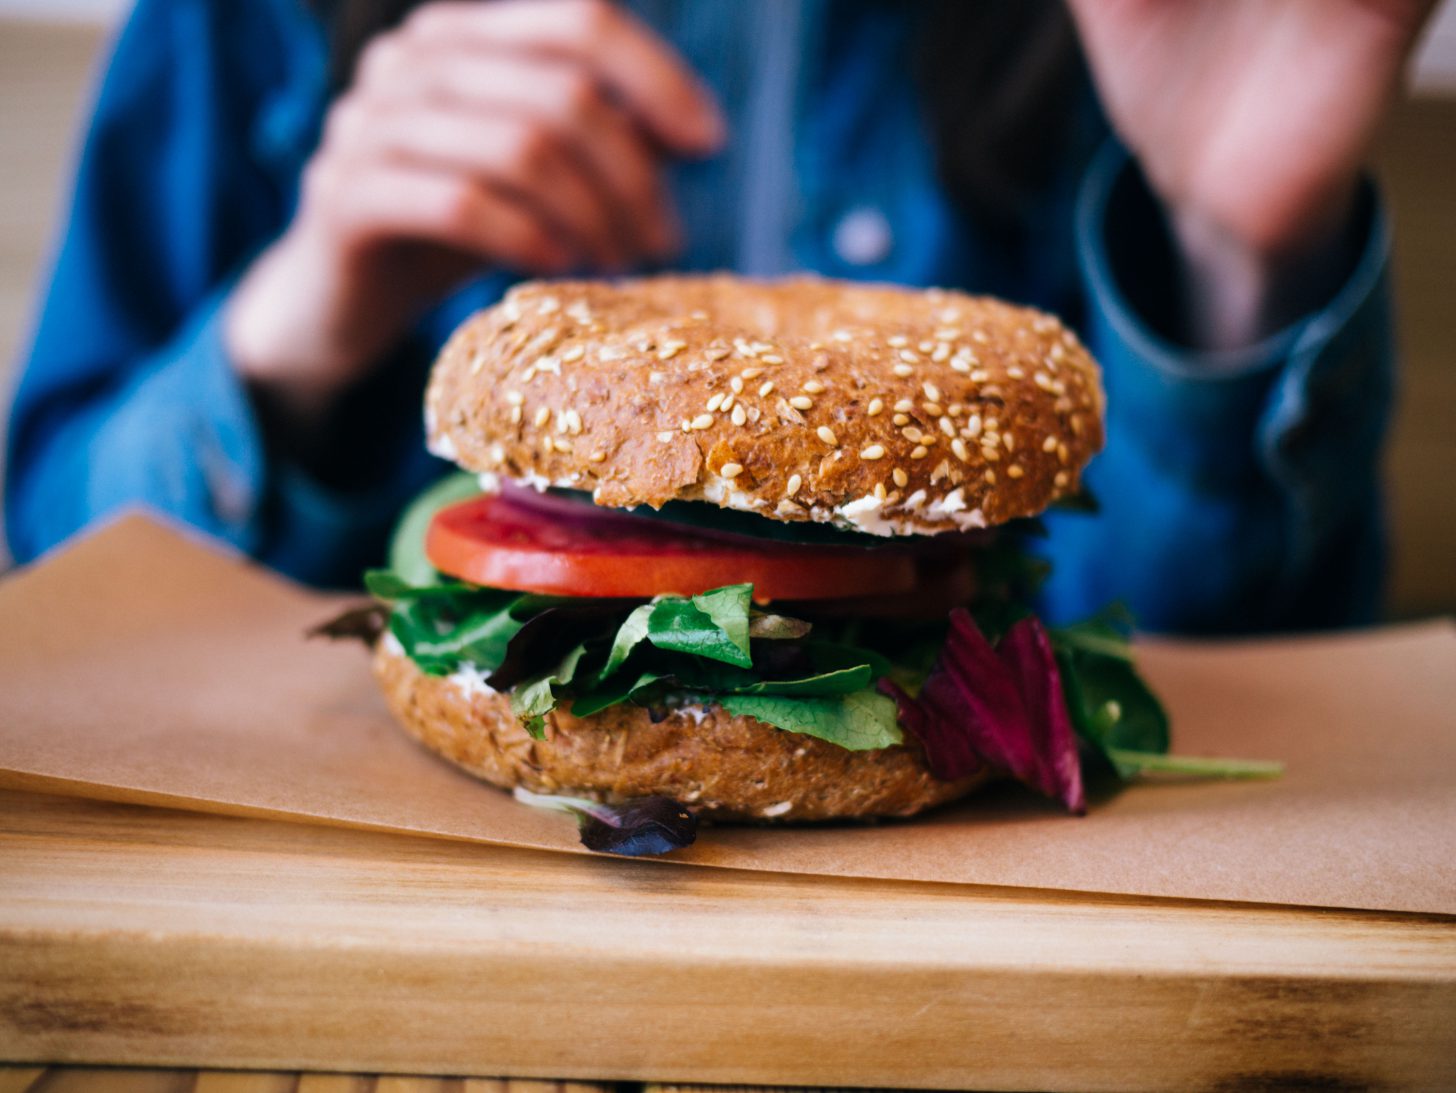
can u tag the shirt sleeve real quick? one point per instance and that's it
(128, 398)
(1238, 491)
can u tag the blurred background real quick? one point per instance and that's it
(50, 50)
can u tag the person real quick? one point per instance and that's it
(281, 211)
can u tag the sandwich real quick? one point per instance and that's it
(753, 551)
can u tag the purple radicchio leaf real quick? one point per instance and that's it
(363, 622)
(640, 827)
(1001, 708)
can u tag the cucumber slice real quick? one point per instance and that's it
(407, 546)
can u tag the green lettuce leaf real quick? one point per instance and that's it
(861, 721)
(713, 625)
(532, 699)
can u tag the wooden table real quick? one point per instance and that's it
(146, 937)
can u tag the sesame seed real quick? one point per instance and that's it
(574, 354)
(1062, 454)
(515, 415)
(670, 350)
(876, 407)
(1060, 480)
(1042, 380)
(736, 384)
(901, 478)
(766, 389)
(549, 304)
(901, 419)
(771, 358)
(739, 416)
(934, 409)
(990, 454)
(941, 353)
(597, 456)
(920, 451)
(960, 365)
(842, 336)
(973, 426)
(947, 334)
(932, 392)
(826, 434)
(731, 470)
(1016, 373)
(903, 370)
(880, 491)
(715, 402)
(958, 446)
(791, 487)
(874, 451)
(727, 403)
(1049, 444)
(543, 415)
(979, 336)
(665, 436)
(1014, 471)
(573, 422)
(897, 341)
(909, 356)
(563, 446)
(1008, 441)
(990, 477)
(814, 387)
(947, 426)
(912, 434)
(925, 347)
(942, 470)
(980, 375)
(801, 402)
(515, 398)
(703, 421)
(717, 353)
(751, 373)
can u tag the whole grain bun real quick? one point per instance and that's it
(890, 410)
(729, 768)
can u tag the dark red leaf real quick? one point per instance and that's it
(1000, 708)
(362, 623)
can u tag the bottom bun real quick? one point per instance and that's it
(724, 767)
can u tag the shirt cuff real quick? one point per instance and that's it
(1181, 404)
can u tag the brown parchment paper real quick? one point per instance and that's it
(143, 665)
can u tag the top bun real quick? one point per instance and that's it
(887, 410)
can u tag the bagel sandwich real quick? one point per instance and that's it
(761, 549)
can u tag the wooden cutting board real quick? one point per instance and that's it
(142, 936)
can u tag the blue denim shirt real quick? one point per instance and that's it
(1239, 491)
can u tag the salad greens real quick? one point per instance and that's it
(991, 690)
(634, 828)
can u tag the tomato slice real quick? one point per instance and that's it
(495, 541)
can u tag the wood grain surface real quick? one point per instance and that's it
(147, 937)
(81, 1079)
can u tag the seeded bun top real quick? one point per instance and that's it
(889, 410)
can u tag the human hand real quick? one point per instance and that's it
(1251, 120)
(528, 134)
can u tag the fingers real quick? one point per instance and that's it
(651, 81)
(380, 201)
(561, 96)
(509, 154)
